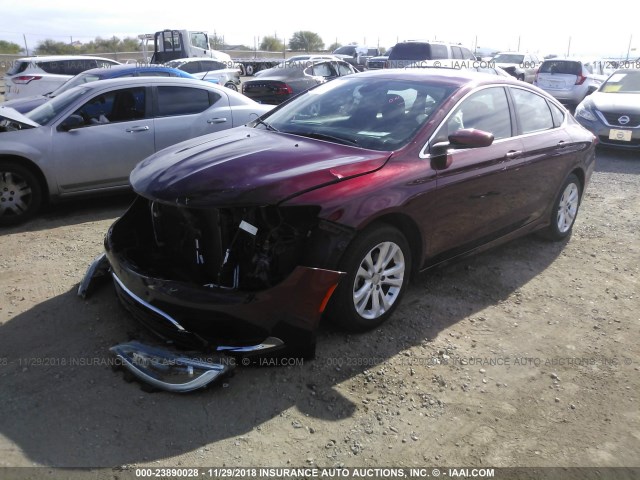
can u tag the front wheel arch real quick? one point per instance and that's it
(378, 264)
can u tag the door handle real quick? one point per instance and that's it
(137, 129)
(217, 120)
(513, 154)
(562, 144)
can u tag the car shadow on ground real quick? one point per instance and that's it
(63, 406)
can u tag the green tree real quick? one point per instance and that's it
(216, 42)
(9, 47)
(306, 41)
(334, 46)
(271, 44)
(130, 44)
(52, 47)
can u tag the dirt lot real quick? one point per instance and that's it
(527, 355)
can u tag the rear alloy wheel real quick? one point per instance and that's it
(378, 265)
(20, 194)
(565, 210)
(232, 86)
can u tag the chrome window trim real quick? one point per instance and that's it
(424, 153)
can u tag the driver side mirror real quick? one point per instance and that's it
(71, 122)
(591, 89)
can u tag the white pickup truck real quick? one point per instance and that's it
(173, 44)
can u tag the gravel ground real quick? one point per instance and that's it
(526, 355)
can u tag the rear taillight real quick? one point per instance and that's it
(282, 89)
(580, 80)
(23, 79)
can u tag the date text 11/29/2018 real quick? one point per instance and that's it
(311, 472)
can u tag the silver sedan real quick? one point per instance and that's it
(88, 139)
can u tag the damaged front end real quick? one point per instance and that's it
(238, 281)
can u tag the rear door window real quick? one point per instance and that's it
(438, 51)
(532, 111)
(181, 100)
(191, 67)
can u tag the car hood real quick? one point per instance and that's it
(25, 104)
(9, 113)
(246, 166)
(616, 102)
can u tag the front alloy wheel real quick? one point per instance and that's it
(20, 194)
(378, 264)
(378, 280)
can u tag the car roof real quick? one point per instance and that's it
(448, 76)
(235, 98)
(142, 81)
(116, 70)
(53, 58)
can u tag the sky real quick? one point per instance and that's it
(546, 27)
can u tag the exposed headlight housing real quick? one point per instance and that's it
(166, 370)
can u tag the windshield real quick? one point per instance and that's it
(51, 109)
(508, 58)
(379, 114)
(561, 66)
(622, 82)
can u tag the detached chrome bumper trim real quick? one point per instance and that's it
(270, 343)
(164, 315)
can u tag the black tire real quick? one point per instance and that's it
(354, 314)
(249, 70)
(565, 210)
(232, 86)
(20, 193)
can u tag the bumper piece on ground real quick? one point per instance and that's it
(97, 271)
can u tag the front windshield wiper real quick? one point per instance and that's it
(267, 125)
(324, 136)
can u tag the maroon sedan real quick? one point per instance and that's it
(239, 242)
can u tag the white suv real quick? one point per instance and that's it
(39, 75)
